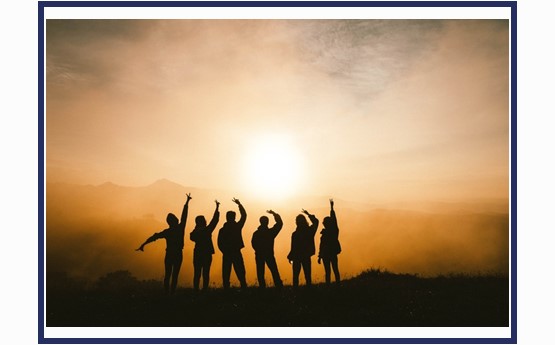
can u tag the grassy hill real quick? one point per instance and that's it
(372, 299)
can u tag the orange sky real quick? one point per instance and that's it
(385, 116)
(370, 111)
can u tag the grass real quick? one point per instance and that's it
(374, 298)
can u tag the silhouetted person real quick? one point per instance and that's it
(302, 247)
(263, 244)
(329, 245)
(230, 243)
(174, 246)
(204, 248)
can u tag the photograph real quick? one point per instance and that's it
(324, 172)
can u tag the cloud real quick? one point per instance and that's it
(363, 100)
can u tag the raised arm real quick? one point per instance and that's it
(332, 214)
(279, 223)
(243, 213)
(314, 226)
(215, 218)
(185, 212)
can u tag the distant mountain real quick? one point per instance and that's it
(92, 230)
(164, 194)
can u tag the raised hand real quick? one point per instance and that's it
(271, 212)
(217, 203)
(189, 196)
(140, 249)
(236, 201)
(306, 212)
(331, 203)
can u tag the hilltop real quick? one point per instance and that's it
(372, 299)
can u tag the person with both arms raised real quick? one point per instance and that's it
(263, 244)
(302, 247)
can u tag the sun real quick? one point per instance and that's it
(273, 167)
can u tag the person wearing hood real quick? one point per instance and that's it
(173, 235)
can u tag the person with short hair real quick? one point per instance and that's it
(263, 244)
(230, 243)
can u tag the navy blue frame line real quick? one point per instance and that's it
(393, 3)
(513, 168)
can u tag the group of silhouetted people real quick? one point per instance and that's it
(230, 242)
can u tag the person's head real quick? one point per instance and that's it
(172, 220)
(200, 221)
(301, 221)
(264, 221)
(230, 216)
(327, 222)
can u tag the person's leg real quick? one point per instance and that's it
(296, 272)
(197, 265)
(206, 272)
(260, 271)
(335, 266)
(167, 273)
(226, 270)
(272, 265)
(239, 267)
(178, 260)
(327, 269)
(307, 271)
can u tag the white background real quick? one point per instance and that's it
(19, 126)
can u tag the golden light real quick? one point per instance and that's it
(273, 167)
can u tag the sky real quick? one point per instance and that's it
(364, 110)
(282, 114)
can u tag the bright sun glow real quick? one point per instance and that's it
(273, 167)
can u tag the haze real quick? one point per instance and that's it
(380, 114)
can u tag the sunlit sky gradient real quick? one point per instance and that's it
(369, 110)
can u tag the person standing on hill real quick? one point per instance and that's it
(174, 246)
(263, 244)
(302, 247)
(204, 248)
(230, 243)
(329, 245)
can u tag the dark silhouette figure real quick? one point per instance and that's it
(230, 243)
(329, 245)
(204, 248)
(263, 244)
(174, 246)
(302, 247)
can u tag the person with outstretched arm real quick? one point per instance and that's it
(302, 247)
(230, 243)
(204, 248)
(330, 246)
(174, 246)
(263, 244)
